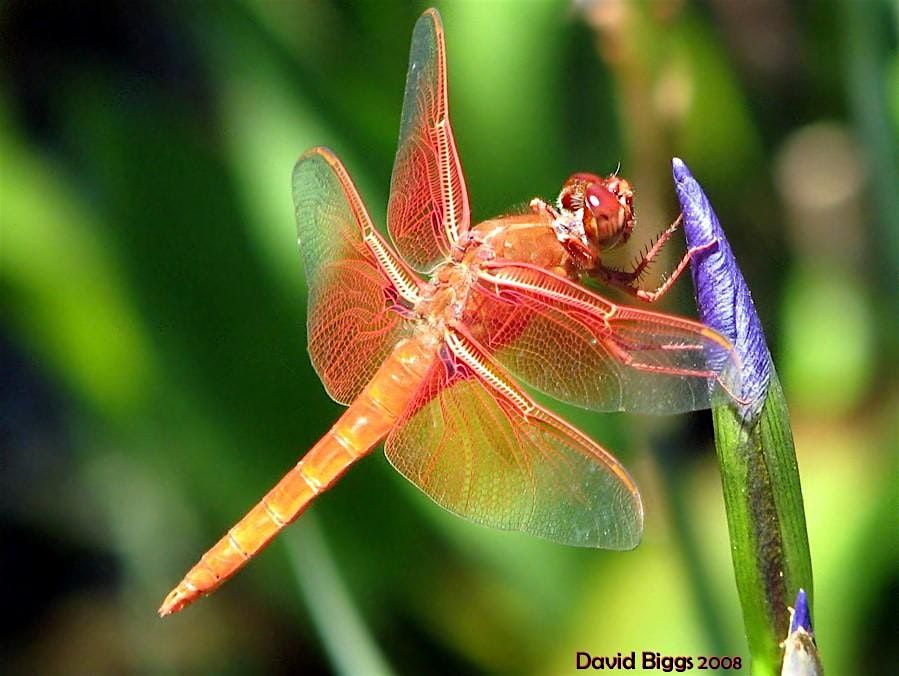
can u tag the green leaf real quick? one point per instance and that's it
(766, 520)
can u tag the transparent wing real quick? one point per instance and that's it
(578, 347)
(356, 286)
(482, 449)
(428, 208)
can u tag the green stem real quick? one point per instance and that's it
(766, 520)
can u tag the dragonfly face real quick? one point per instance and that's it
(594, 215)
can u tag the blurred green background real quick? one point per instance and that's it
(155, 379)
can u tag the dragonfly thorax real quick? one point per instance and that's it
(443, 298)
(522, 238)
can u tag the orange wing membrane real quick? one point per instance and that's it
(358, 290)
(580, 348)
(428, 209)
(480, 447)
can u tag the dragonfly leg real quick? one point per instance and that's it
(628, 280)
(538, 206)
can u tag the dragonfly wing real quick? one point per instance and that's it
(580, 348)
(356, 284)
(428, 208)
(480, 447)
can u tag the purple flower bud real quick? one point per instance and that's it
(722, 296)
(801, 617)
(800, 652)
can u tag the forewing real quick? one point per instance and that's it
(428, 208)
(353, 321)
(578, 347)
(478, 446)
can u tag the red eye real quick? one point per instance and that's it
(601, 203)
(573, 194)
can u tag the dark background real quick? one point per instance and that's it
(154, 375)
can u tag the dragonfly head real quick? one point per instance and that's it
(605, 207)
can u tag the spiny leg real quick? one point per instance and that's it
(626, 280)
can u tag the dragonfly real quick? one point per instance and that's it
(431, 341)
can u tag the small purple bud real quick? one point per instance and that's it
(801, 617)
(722, 297)
(801, 656)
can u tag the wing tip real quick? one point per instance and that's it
(431, 21)
(715, 336)
(434, 15)
(336, 165)
(323, 152)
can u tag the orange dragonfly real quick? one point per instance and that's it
(422, 346)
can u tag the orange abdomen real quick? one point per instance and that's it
(368, 420)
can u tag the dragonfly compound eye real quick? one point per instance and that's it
(610, 204)
(571, 197)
